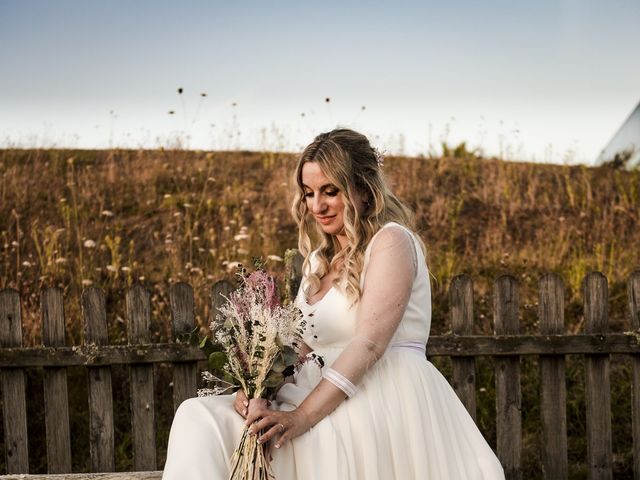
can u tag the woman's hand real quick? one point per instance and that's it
(244, 406)
(281, 426)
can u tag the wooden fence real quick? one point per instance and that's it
(507, 346)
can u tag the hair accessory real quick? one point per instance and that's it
(379, 157)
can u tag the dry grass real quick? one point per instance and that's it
(111, 218)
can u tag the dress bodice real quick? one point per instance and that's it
(331, 321)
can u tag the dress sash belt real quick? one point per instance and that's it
(415, 345)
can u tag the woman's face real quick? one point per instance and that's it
(325, 201)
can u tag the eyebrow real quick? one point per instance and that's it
(323, 187)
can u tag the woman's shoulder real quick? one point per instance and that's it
(391, 232)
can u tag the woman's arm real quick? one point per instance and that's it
(387, 288)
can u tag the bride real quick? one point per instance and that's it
(366, 404)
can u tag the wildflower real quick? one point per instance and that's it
(112, 268)
(86, 282)
(243, 251)
(274, 258)
(125, 269)
(106, 213)
(61, 260)
(167, 195)
(88, 243)
(186, 205)
(26, 264)
(14, 243)
(241, 236)
(231, 266)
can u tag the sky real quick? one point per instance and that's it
(548, 81)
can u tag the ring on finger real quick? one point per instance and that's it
(281, 427)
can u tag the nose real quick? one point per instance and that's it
(318, 205)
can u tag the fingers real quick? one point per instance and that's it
(241, 404)
(276, 431)
(258, 408)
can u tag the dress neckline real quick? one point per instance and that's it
(320, 299)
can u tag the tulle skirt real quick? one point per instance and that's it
(405, 422)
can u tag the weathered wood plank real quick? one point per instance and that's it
(464, 368)
(508, 394)
(141, 378)
(101, 430)
(633, 295)
(185, 375)
(293, 273)
(219, 291)
(56, 397)
(439, 345)
(89, 476)
(598, 388)
(14, 407)
(553, 390)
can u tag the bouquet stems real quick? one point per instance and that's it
(249, 460)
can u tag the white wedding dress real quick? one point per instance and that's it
(405, 421)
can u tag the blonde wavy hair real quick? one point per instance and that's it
(350, 163)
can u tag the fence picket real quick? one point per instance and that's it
(101, 431)
(633, 294)
(464, 368)
(141, 378)
(293, 273)
(185, 376)
(14, 407)
(508, 394)
(553, 390)
(56, 397)
(598, 388)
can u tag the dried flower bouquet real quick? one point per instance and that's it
(254, 348)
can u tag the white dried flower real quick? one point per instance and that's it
(88, 243)
(274, 258)
(61, 260)
(106, 213)
(112, 268)
(232, 266)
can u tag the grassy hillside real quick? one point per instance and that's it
(111, 218)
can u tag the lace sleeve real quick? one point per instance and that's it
(387, 287)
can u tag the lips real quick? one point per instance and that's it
(325, 220)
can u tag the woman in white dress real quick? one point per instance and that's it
(367, 404)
